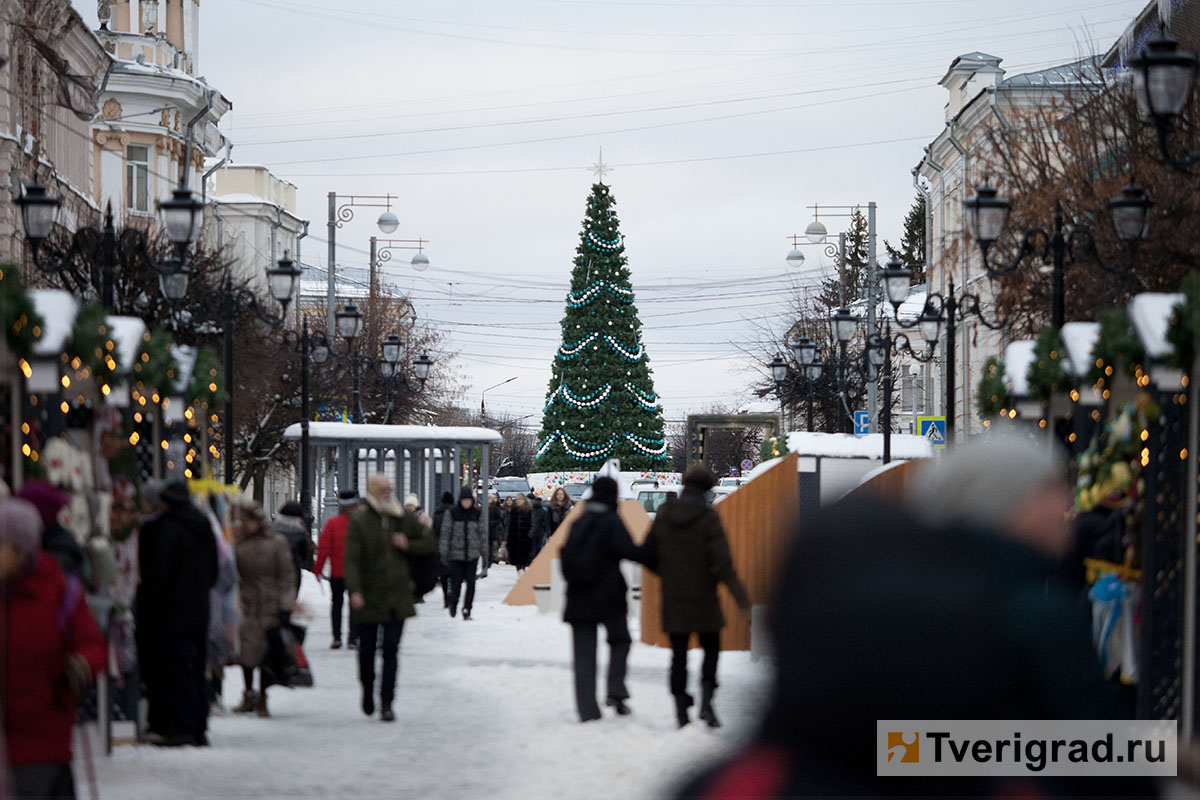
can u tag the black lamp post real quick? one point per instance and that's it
(393, 372)
(349, 325)
(811, 368)
(315, 348)
(1163, 76)
(230, 303)
(182, 216)
(987, 216)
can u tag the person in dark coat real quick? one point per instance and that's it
(381, 538)
(177, 557)
(461, 544)
(539, 525)
(879, 613)
(519, 539)
(59, 542)
(596, 589)
(557, 509)
(495, 528)
(687, 547)
(444, 505)
(290, 522)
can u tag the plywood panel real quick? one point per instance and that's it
(892, 484)
(759, 519)
(632, 514)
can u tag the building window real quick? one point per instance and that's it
(137, 177)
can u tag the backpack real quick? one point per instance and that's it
(422, 569)
(581, 554)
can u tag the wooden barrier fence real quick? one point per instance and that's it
(759, 519)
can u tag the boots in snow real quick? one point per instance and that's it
(618, 705)
(336, 645)
(466, 613)
(682, 703)
(249, 703)
(368, 700)
(707, 690)
(387, 715)
(261, 708)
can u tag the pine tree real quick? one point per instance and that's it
(912, 242)
(601, 401)
(855, 275)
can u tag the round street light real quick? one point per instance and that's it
(392, 349)
(816, 232)
(320, 348)
(388, 222)
(1131, 213)
(38, 210)
(1162, 79)
(844, 325)
(805, 350)
(283, 279)
(422, 366)
(813, 371)
(897, 281)
(174, 285)
(876, 354)
(420, 262)
(795, 258)
(182, 216)
(779, 369)
(349, 322)
(987, 215)
(931, 325)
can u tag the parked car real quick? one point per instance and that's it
(651, 499)
(731, 481)
(575, 491)
(511, 487)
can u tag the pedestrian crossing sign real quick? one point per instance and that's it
(933, 430)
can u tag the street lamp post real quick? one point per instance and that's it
(1163, 77)
(230, 303)
(987, 215)
(483, 394)
(182, 215)
(393, 372)
(349, 325)
(806, 352)
(339, 215)
(313, 348)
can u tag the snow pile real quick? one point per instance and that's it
(484, 709)
(844, 445)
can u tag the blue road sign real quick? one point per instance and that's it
(862, 423)
(933, 429)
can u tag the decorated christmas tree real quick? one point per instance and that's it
(601, 402)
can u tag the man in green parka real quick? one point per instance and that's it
(379, 540)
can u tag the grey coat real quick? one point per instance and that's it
(461, 539)
(267, 570)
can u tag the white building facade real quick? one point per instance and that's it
(253, 218)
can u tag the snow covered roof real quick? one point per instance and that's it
(340, 432)
(1018, 357)
(844, 445)
(1150, 314)
(1077, 73)
(241, 197)
(58, 309)
(126, 333)
(910, 309)
(1079, 338)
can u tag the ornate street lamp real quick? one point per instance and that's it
(1163, 77)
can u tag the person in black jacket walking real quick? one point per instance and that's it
(461, 543)
(444, 505)
(591, 564)
(177, 556)
(687, 547)
(520, 532)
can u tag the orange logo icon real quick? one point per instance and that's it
(904, 747)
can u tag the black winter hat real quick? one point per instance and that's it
(604, 490)
(347, 497)
(466, 494)
(175, 493)
(447, 498)
(292, 509)
(698, 476)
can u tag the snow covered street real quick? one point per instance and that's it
(484, 709)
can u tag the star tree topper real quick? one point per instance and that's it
(600, 169)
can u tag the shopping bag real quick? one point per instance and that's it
(286, 663)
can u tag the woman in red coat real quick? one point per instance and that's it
(331, 547)
(52, 652)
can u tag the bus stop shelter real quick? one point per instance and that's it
(424, 460)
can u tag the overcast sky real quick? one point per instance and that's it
(722, 122)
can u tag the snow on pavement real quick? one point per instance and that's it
(484, 708)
